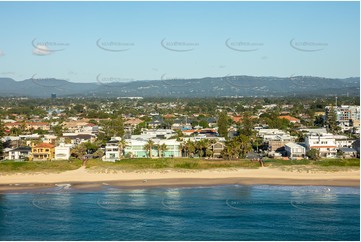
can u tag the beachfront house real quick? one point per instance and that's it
(343, 141)
(20, 153)
(42, 152)
(294, 150)
(112, 151)
(134, 148)
(325, 143)
(217, 149)
(78, 138)
(348, 152)
(275, 139)
(62, 152)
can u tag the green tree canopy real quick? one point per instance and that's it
(331, 121)
(247, 125)
(113, 127)
(223, 125)
(313, 154)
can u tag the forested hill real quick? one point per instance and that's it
(246, 86)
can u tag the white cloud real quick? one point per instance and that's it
(41, 50)
(2, 53)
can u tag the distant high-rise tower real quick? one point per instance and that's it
(53, 95)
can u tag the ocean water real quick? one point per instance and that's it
(231, 212)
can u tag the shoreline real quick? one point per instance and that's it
(85, 179)
(174, 183)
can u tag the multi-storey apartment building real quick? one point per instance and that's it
(347, 116)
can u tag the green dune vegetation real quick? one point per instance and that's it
(177, 164)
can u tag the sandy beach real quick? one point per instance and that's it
(89, 179)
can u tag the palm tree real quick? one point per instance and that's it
(245, 145)
(149, 146)
(202, 147)
(122, 144)
(190, 147)
(235, 148)
(183, 148)
(162, 148)
(227, 152)
(209, 152)
(158, 149)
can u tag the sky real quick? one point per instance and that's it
(127, 41)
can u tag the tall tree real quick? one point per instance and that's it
(247, 125)
(245, 145)
(2, 129)
(2, 133)
(331, 121)
(223, 124)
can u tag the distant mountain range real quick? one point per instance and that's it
(245, 86)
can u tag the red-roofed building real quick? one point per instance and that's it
(237, 119)
(134, 122)
(28, 125)
(169, 116)
(291, 119)
(42, 152)
(189, 132)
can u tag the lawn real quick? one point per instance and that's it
(38, 166)
(171, 163)
(176, 163)
(328, 165)
(323, 162)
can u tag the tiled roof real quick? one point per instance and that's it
(27, 123)
(44, 145)
(289, 118)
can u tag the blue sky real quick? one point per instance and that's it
(124, 41)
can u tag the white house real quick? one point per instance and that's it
(343, 141)
(62, 152)
(294, 150)
(135, 148)
(315, 131)
(325, 143)
(262, 132)
(78, 138)
(155, 133)
(112, 151)
(275, 139)
(19, 153)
